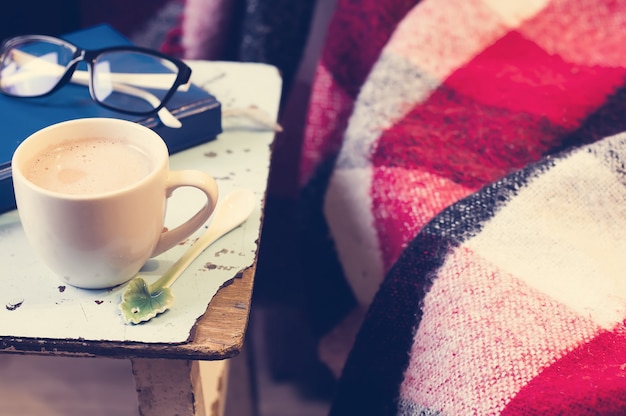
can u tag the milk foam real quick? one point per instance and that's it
(88, 166)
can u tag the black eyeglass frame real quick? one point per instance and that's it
(89, 56)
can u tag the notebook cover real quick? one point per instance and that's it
(198, 111)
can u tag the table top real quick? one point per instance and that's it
(210, 314)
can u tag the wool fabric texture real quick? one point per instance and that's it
(463, 176)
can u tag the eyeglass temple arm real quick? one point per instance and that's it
(164, 114)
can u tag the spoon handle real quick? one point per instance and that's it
(212, 234)
(228, 215)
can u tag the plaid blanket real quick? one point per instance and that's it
(464, 174)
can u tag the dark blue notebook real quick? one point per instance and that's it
(198, 111)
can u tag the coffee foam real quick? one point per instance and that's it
(88, 166)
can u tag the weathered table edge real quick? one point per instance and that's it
(232, 301)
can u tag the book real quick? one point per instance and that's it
(198, 111)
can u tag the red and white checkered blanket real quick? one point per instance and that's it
(465, 162)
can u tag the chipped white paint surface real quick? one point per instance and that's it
(35, 303)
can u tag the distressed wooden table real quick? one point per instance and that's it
(174, 355)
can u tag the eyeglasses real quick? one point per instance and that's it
(127, 79)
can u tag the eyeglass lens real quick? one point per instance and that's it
(33, 68)
(125, 80)
(130, 80)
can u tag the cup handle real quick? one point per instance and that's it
(195, 179)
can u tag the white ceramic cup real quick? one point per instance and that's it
(102, 239)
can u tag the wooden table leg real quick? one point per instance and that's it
(180, 387)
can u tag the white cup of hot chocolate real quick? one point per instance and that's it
(92, 195)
